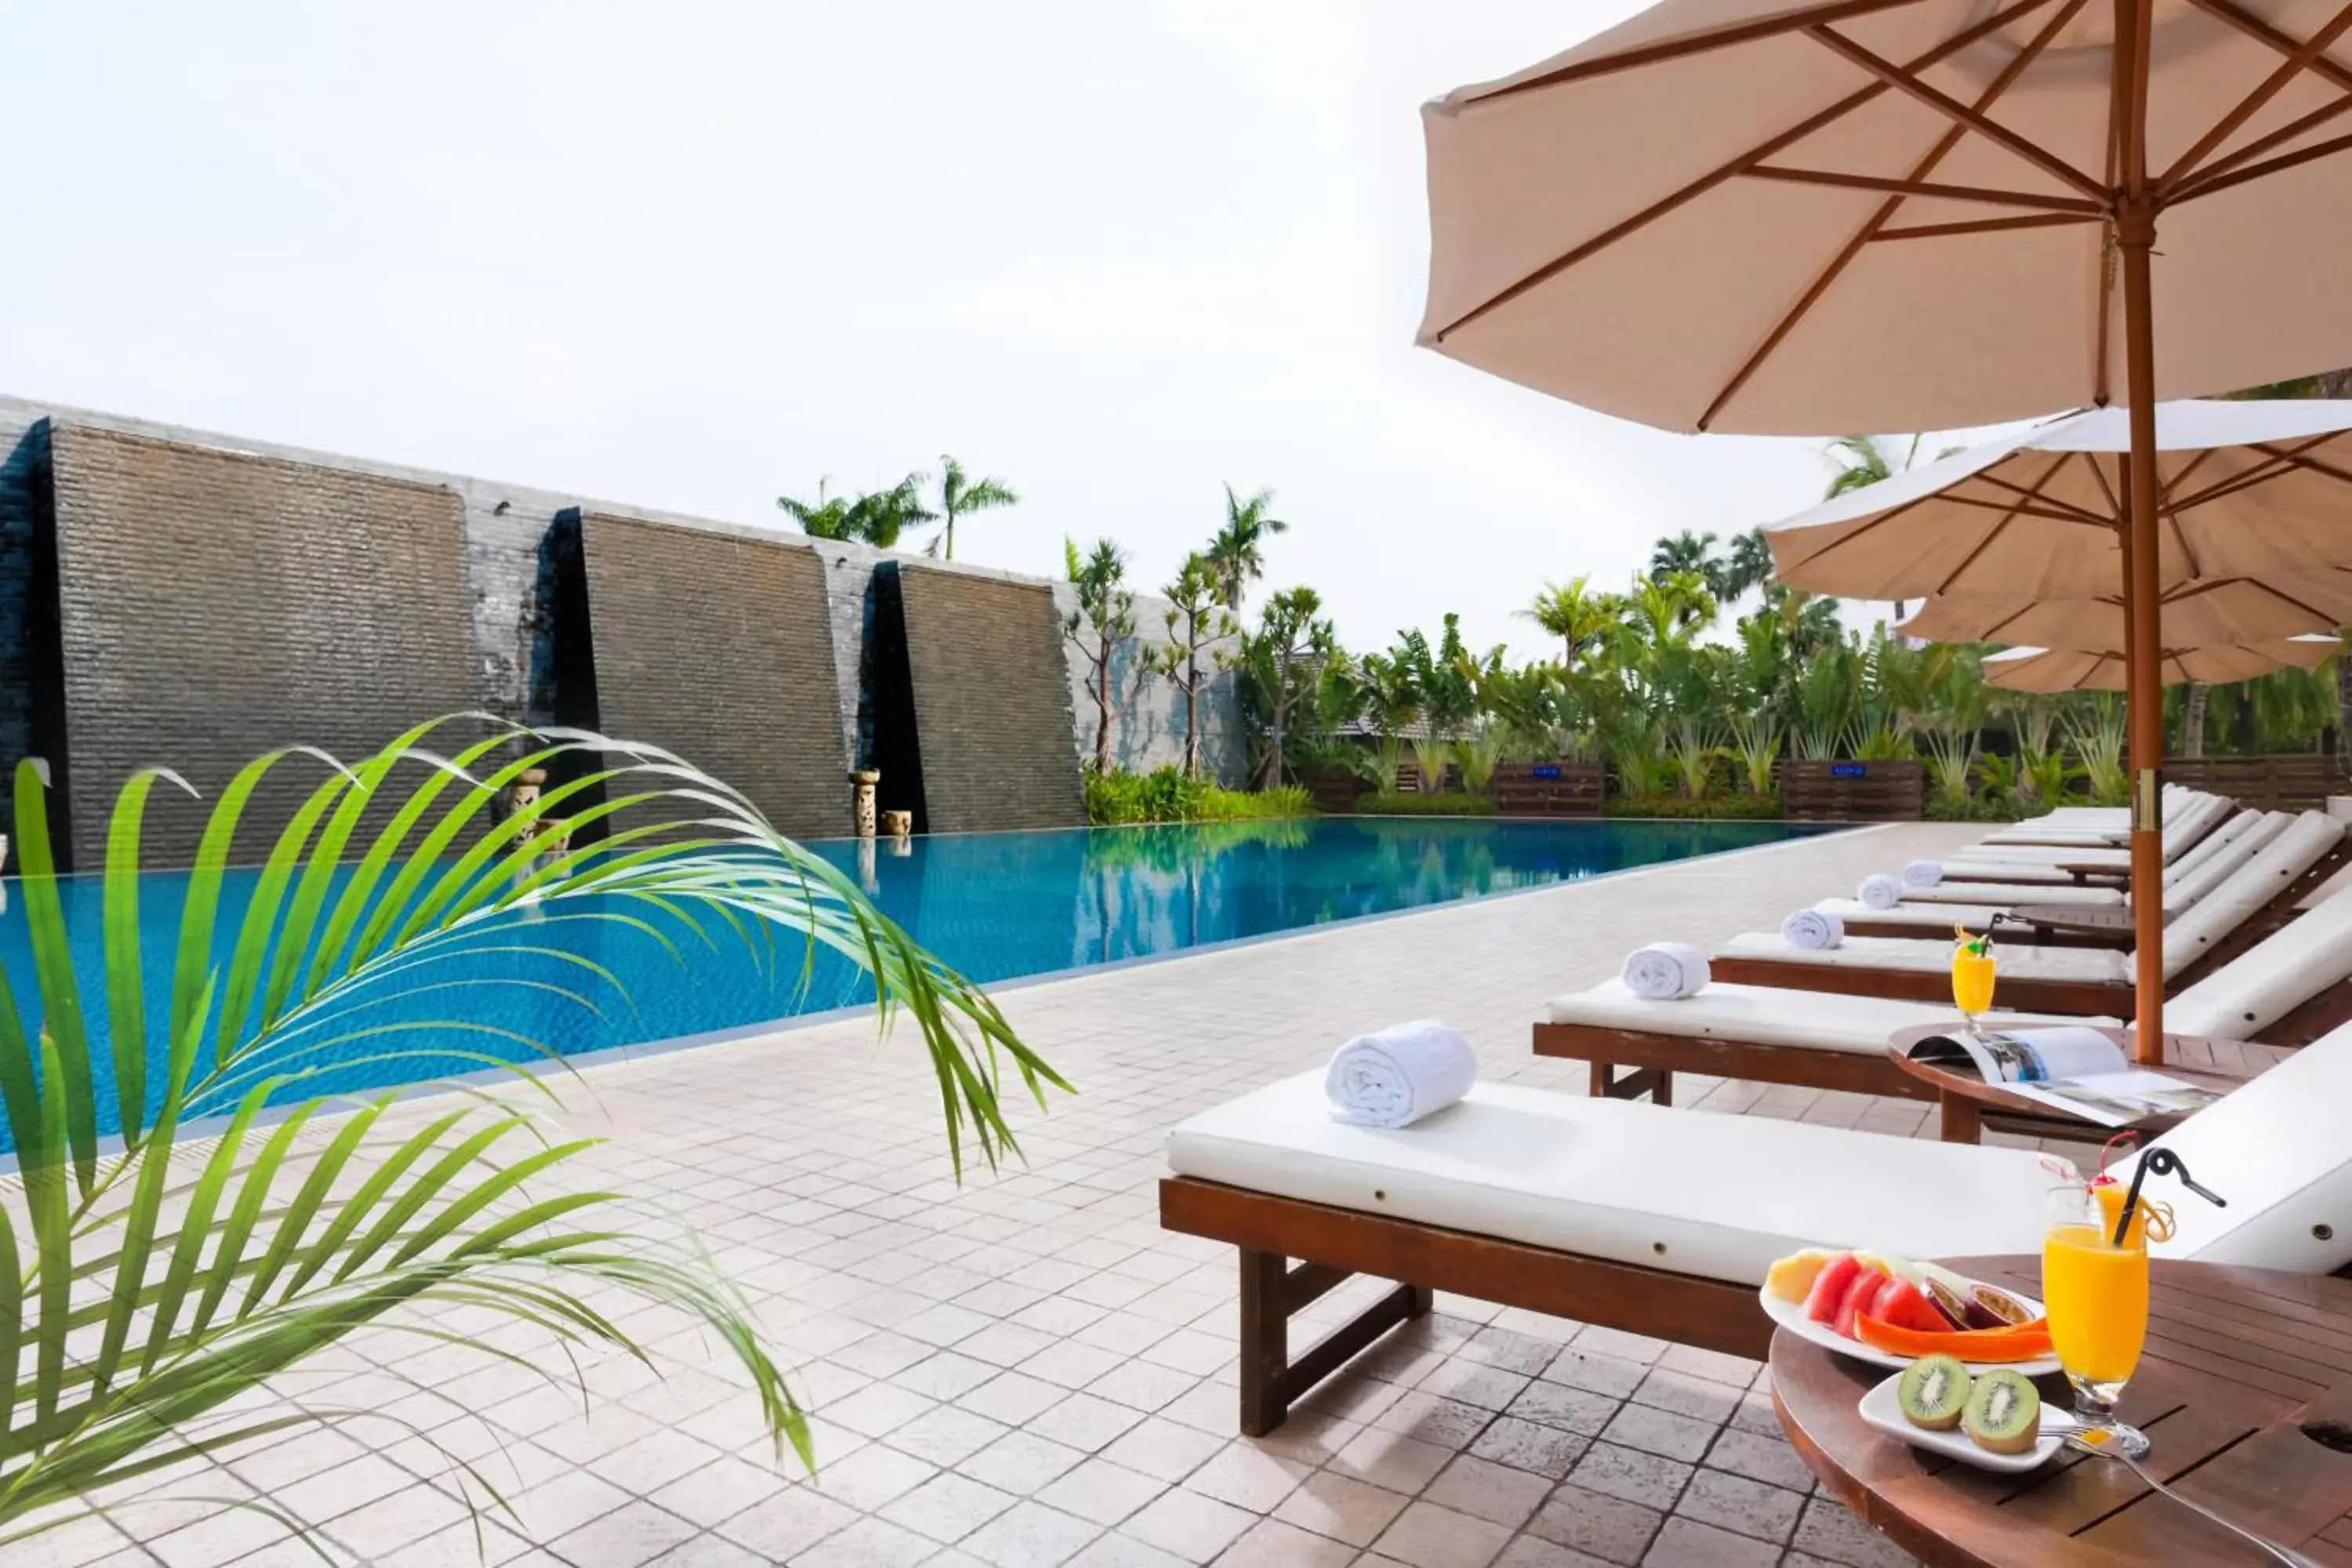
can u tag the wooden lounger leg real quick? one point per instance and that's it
(1656, 1082)
(1271, 1292)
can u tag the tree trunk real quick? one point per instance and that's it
(1193, 712)
(1102, 709)
(2192, 719)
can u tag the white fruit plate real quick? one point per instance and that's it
(1790, 1315)
(1883, 1409)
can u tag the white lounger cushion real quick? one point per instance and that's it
(2275, 1148)
(2204, 868)
(1928, 955)
(1719, 1198)
(2011, 894)
(2012, 872)
(2270, 979)
(1764, 1015)
(2230, 832)
(1926, 917)
(2263, 877)
(2044, 854)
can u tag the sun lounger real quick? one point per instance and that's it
(2290, 988)
(2188, 879)
(1664, 1223)
(2244, 907)
(1995, 860)
(2187, 819)
(2057, 888)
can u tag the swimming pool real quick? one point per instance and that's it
(998, 906)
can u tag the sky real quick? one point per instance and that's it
(699, 255)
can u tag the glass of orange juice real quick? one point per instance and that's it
(2097, 1296)
(1972, 976)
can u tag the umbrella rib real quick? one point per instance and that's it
(1989, 225)
(2271, 468)
(2021, 508)
(2300, 461)
(1745, 161)
(2286, 598)
(2297, 62)
(1700, 43)
(2001, 527)
(2115, 501)
(2064, 508)
(2169, 488)
(2262, 33)
(1829, 274)
(2206, 187)
(1905, 80)
(1986, 193)
(2262, 143)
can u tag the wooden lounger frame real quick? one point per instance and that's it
(2087, 998)
(1332, 1245)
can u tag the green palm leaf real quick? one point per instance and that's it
(147, 1289)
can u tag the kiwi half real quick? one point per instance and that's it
(2003, 1414)
(1934, 1392)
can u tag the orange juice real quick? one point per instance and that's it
(1972, 982)
(2111, 1209)
(2096, 1295)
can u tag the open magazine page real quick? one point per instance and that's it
(2025, 1056)
(2119, 1099)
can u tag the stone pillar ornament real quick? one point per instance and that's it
(523, 792)
(867, 878)
(898, 824)
(554, 838)
(865, 779)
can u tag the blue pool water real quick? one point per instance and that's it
(995, 906)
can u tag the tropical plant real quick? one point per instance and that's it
(877, 518)
(1823, 697)
(1478, 755)
(1238, 551)
(1669, 611)
(1685, 552)
(1195, 621)
(2096, 731)
(1747, 564)
(1692, 746)
(960, 495)
(1756, 740)
(1632, 741)
(1579, 617)
(245, 1223)
(1432, 756)
(1293, 641)
(1099, 629)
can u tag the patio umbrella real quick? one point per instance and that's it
(2200, 613)
(2061, 670)
(1812, 217)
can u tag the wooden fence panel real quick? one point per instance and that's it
(1893, 790)
(1551, 789)
(2296, 782)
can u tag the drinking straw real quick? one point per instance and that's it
(2164, 1163)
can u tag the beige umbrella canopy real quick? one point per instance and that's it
(2252, 495)
(2198, 614)
(2058, 670)
(1811, 216)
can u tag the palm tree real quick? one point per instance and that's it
(1238, 551)
(1862, 461)
(828, 517)
(1685, 552)
(1571, 612)
(1749, 565)
(1668, 610)
(877, 518)
(959, 496)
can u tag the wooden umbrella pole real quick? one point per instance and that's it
(2143, 664)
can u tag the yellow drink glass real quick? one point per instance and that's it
(2097, 1296)
(1972, 979)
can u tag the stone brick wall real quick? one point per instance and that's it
(214, 604)
(991, 700)
(720, 648)
(1148, 731)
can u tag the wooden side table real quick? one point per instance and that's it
(2244, 1390)
(2076, 925)
(1966, 1102)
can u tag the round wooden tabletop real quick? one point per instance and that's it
(1967, 1099)
(2094, 920)
(2244, 1390)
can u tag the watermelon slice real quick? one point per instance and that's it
(1905, 1306)
(1864, 1298)
(1830, 1287)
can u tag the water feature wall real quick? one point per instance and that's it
(384, 593)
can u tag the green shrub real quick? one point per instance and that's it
(1390, 803)
(1972, 808)
(1743, 807)
(1167, 794)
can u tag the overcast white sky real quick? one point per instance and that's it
(697, 254)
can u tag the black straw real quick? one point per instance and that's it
(2164, 1163)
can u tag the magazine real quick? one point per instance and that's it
(2075, 1069)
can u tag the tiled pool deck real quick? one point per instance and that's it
(1025, 1370)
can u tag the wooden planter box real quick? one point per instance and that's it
(1549, 789)
(1889, 791)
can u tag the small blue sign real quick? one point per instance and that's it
(1849, 770)
(1547, 770)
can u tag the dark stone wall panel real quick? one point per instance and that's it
(719, 647)
(214, 604)
(991, 702)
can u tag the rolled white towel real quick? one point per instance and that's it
(1664, 971)
(1812, 929)
(1923, 873)
(1399, 1075)
(1879, 892)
